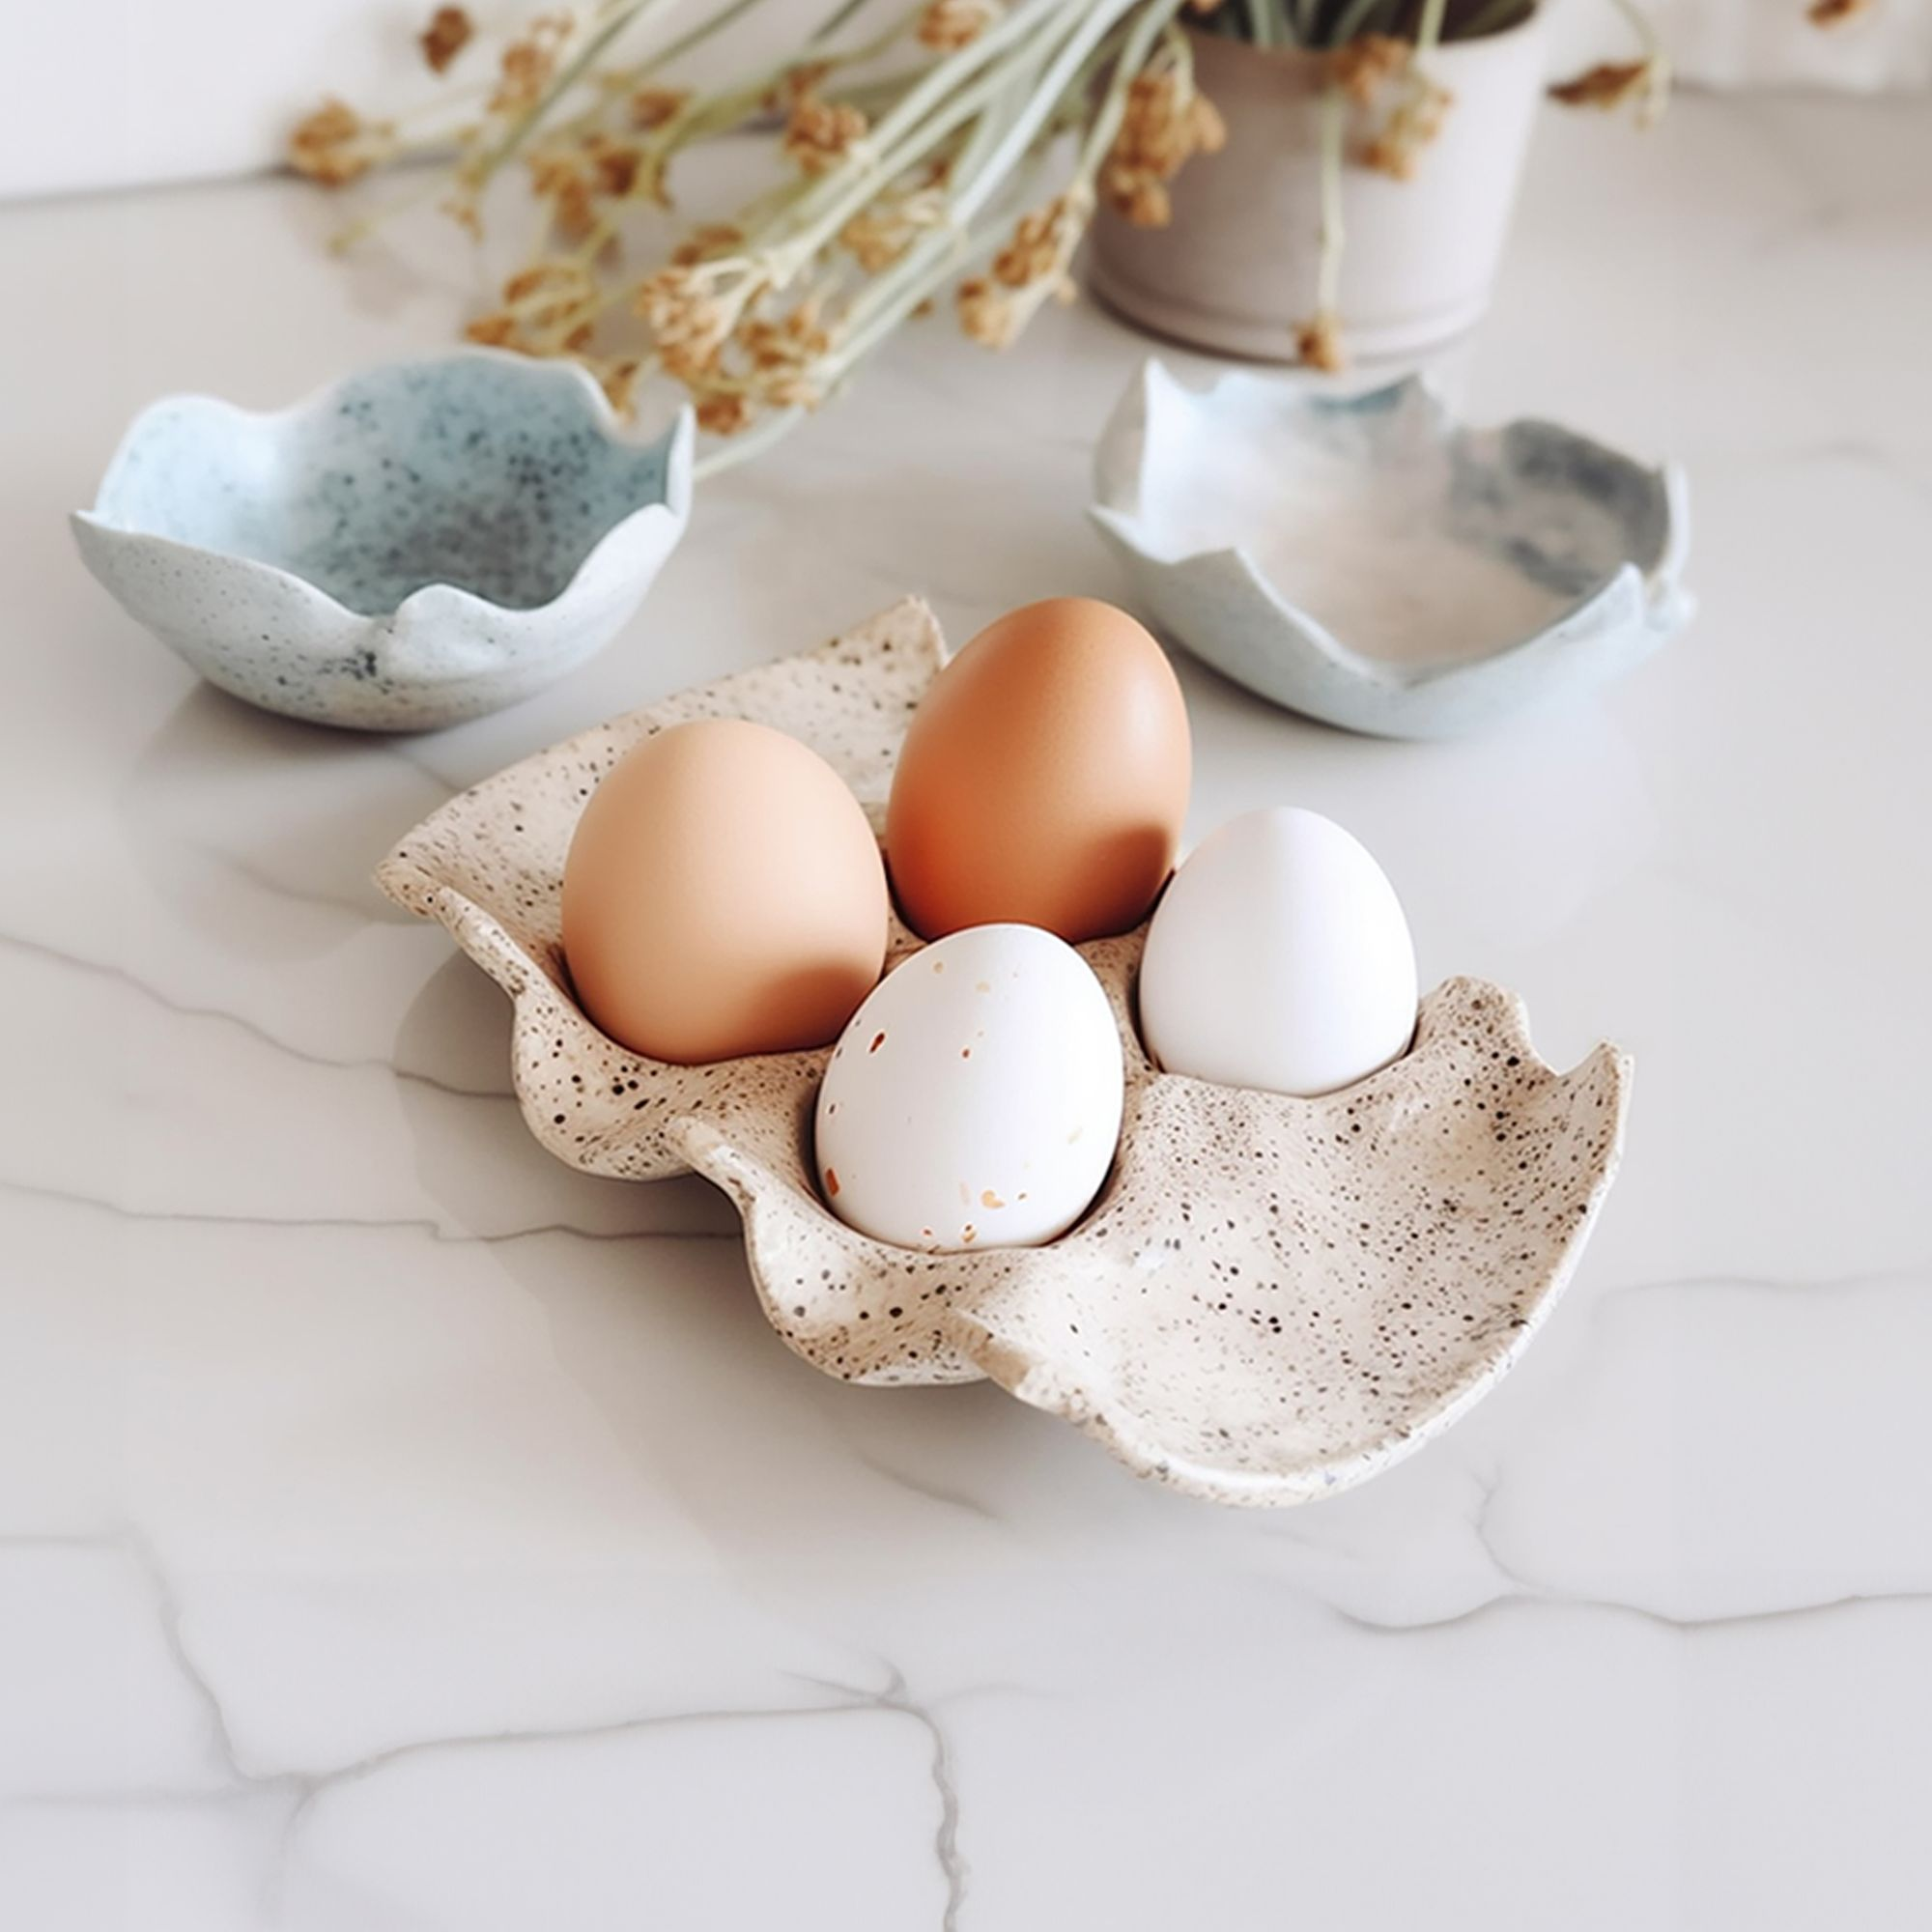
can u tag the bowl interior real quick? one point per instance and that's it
(1413, 541)
(493, 478)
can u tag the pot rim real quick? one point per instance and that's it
(1300, 57)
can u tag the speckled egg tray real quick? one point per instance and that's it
(1271, 1298)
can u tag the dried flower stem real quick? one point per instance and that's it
(618, 19)
(1333, 236)
(1656, 60)
(984, 166)
(903, 139)
(1094, 19)
(927, 148)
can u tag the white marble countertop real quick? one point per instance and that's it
(399, 1531)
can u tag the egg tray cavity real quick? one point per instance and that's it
(1270, 1300)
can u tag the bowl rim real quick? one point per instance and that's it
(677, 440)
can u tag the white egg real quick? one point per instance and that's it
(975, 1098)
(1279, 959)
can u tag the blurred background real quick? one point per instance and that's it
(105, 96)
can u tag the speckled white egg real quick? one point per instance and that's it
(1279, 959)
(975, 1098)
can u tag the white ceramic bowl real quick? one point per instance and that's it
(422, 542)
(1372, 562)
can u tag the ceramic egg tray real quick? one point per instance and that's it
(1270, 1298)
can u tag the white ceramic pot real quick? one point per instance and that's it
(1236, 269)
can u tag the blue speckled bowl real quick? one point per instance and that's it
(422, 543)
(1374, 563)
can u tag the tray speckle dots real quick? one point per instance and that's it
(1270, 1300)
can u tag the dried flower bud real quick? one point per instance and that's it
(1362, 66)
(703, 245)
(1136, 197)
(1210, 131)
(494, 331)
(529, 63)
(1033, 252)
(724, 413)
(615, 163)
(1412, 123)
(551, 297)
(557, 176)
(693, 311)
(1610, 84)
(463, 209)
(334, 145)
(449, 31)
(820, 132)
(546, 278)
(619, 382)
(780, 356)
(948, 25)
(987, 313)
(1319, 342)
(794, 85)
(1164, 124)
(652, 108)
(876, 237)
(1031, 267)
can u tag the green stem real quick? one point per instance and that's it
(823, 215)
(733, 451)
(1133, 57)
(841, 14)
(1329, 279)
(876, 317)
(1101, 17)
(1359, 17)
(890, 146)
(1429, 29)
(1639, 22)
(894, 294)
(1656, 58)
(567, 77)
(351, 233)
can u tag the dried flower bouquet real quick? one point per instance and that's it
(961, 142)
(922, 150)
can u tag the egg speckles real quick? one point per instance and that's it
(974, 1100)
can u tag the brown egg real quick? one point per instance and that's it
(723, 895)
(1043, 780)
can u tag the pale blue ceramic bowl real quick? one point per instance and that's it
(1374, 563)
(422, 543)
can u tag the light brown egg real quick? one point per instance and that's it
(723, 895)
(1044, 779)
